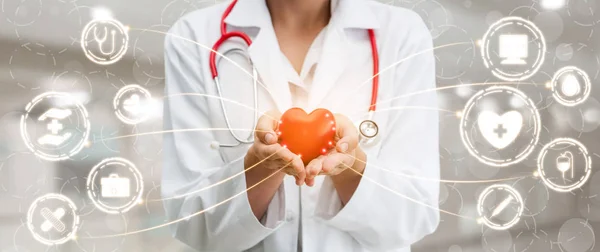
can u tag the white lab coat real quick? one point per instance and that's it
(375, 218)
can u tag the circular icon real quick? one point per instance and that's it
(104, 41)
(564, 164)
(513, 49)
(500, 126)
(500, 207)
(52, 219)
(115, 185)
(571, 86)
(131, 104)
(55, 126)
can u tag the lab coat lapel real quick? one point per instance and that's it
(337, 49)
(331, 65)
(264, 50)
(264, 53)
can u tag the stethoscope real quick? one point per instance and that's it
(101, 41)
(368, 129)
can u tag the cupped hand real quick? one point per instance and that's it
(267, 153)
(339, 158)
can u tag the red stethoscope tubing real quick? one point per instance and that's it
(227, 35)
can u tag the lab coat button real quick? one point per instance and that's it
(290, 216)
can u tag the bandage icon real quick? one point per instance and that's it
(52, 219)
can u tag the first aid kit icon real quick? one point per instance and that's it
(114, 186)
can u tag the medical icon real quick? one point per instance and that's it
(513, 49)
(131, 104)
(571, 86)
(500, 207)
(52, 219)
(115, 185)
(500, 131)
(55, 126)
(101, 41)
(500, 126)
(564, 164)
(104, 41)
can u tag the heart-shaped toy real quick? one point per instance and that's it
(307, 135)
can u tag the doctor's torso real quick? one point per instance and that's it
(341, 82)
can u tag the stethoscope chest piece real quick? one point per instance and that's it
(369, 133)
(368, 129)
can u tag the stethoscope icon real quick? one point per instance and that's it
(101, 41)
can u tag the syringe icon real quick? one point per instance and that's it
(502, 206)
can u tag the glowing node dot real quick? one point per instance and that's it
(279, 133)
(326, 115)
(333, 128)
(284, 146)
(324, 150)
(330, 143)
(536, 174)
(549, 85)
(101, 13)
(459, 114)
(479, 42)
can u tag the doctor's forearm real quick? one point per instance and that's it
(346, 182)
(260, 196)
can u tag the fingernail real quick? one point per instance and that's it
(269, 138)
(344, 147)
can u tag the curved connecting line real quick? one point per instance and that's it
(440, 180)
(209, 49)
(191, 215)
(402, 60)
(217, 183)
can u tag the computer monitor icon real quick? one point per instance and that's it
(513, 48)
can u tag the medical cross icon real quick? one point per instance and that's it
(55, 126)
(500, 130)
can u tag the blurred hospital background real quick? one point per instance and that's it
(40, 51)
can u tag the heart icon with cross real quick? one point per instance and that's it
(500, 131)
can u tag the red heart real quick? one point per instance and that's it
(308, 135)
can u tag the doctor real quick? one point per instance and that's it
(309, 54)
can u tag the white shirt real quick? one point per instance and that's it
(300, 84)
(388, 212)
